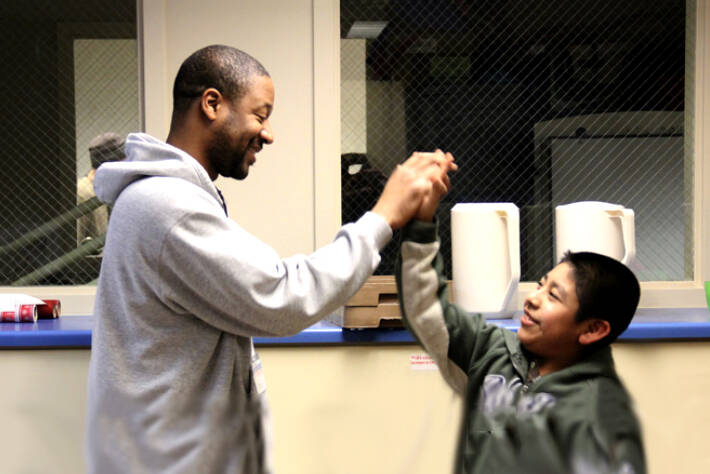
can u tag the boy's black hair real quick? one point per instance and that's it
(606, 289)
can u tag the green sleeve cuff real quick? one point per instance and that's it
(420, 231)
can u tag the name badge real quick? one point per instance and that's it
(257, 373)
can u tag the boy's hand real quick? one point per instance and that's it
(421, 175)
(430, 201)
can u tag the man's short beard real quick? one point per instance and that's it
(239, 172)
(224, 159)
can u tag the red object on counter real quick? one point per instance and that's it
(24, 313)
(51, 309)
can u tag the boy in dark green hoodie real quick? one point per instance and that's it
(548, 399)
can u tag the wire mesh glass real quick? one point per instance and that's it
(70, 73)
(541, 103)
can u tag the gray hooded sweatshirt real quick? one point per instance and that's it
(174, 382)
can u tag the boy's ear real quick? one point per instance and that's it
(594, 330)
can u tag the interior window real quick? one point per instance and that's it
(541, 103)
(73, 77)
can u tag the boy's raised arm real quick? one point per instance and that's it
(450, 335)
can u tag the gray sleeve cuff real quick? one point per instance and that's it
(381, 231)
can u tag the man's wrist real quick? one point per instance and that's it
(380, 211)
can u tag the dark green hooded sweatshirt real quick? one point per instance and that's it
(576, 420)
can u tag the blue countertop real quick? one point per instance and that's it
(75, 331)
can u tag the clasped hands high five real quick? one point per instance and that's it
(415, 187)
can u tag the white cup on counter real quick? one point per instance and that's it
(485, 254)
(593, 226)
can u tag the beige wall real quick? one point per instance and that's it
(670, 383)
(354, 409)
(42, 405)
(370, 412)
(353, 96)
(281, 184)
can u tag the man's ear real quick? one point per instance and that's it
(210, 102)
(594, 330)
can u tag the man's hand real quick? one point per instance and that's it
(423, 178)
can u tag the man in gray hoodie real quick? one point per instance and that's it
(174, 382)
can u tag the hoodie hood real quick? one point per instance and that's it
(146, 157)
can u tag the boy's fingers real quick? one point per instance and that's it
(440, 188)
(440, 184)
(447, 182)
(450, 158)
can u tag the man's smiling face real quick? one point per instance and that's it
(243, 130)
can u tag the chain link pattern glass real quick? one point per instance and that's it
(70, 73)
(541, 103)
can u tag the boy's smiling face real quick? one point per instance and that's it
(548, 328)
